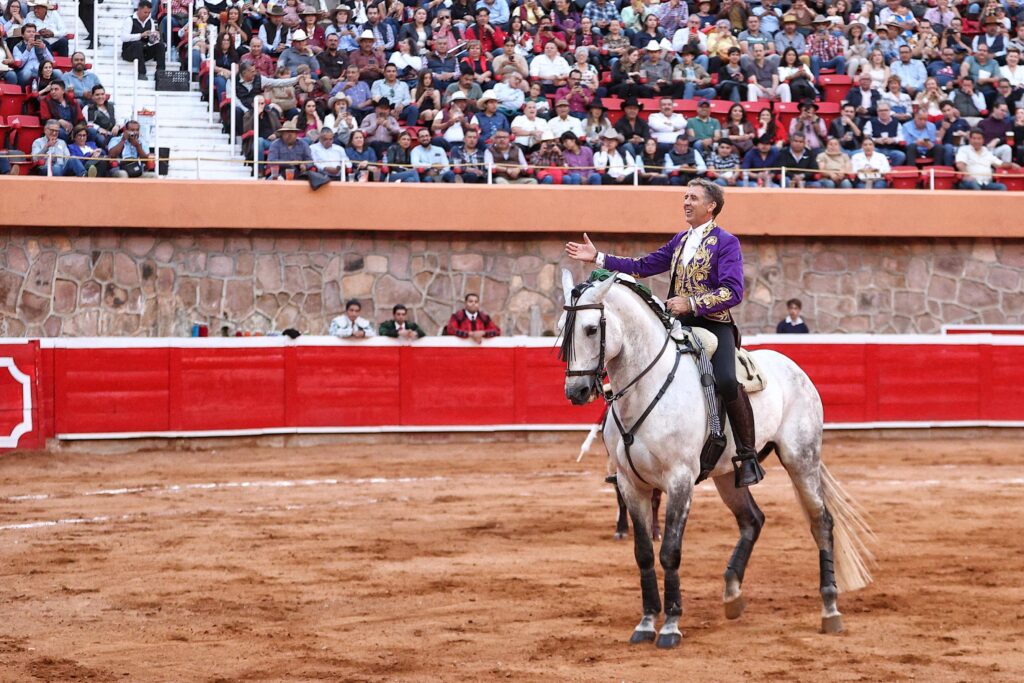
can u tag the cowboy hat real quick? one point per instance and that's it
(632, 102)
(40, 3)
(299, 34)
(789, 19)
(611, 134)
(289, 127)
(562, 103)
(337, 98)
(808, 104)
(275, 11)
(991, 19)
(820, 19)
(548, 136)
(459, 95)
(487, 96)
(596, 103)
(309, 10)
(653, 46)
(367, 35)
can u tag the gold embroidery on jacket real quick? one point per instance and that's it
(692, 278)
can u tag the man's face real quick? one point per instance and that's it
(758, 52)
(470, 139)
(28, 34)
(734, 57)
(703, 110)
(78, 62)
(52, 132)
(921, 117)
(977, 140)
(797, 144)
(794, 311)
(400, 315)
(999, 112)
(696, 206)
(574, 78)
(371, 15)
(332, 42)
(352, 73)
(391, 73)
(551, 50)
(724, 149)
(682, 146)
(56, 92)
(992, 28)
(631, 111)
(289, 137)
(383, 111)
(868, 146)
(472, 304)
(947, 56)
(500, 140)
(481, 18)
(562, 110)
(981, 54)
(144, 13)
(967, 85)
(353, 311)
(256, 46)
(951, 113)
(39, 11)
(327, 139)
(905, 54)
(423, 137)
(666, 106)
(865, 82)
(466, 80)
(753, 24)
(884, 114)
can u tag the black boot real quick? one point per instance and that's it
(748, 470)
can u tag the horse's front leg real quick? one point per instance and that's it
(676, 512)
(639, 505)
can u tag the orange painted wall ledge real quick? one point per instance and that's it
(176, 204)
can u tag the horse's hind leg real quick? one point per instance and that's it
(750, 520)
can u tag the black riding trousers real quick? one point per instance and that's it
(723, 362)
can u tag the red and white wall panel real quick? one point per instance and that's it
(81, 388)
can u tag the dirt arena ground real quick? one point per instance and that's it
(486, 561)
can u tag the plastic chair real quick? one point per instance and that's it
(785, 112)
(945, 177)
(903, 177)
(1013, 184)
(754, 110)
(12, 99)
(720, 110)
(828, 111)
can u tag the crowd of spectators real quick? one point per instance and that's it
(469, 322)
(518, 91)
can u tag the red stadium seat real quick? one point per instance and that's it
(614, 106)
(754, 109)
(62, 63)
(25, 131)
(12, 99)
(720, 110)
(945, 177)
(828, 111)
(785, 112)
(1012, 178)
(834, 87)
(903, 177)
(687, 108)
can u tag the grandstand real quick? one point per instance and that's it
(889, 62)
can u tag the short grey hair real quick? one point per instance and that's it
(712, 192)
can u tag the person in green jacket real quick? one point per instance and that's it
(399, 326)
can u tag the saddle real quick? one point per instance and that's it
(748, 374)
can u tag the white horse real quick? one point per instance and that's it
(611, 325)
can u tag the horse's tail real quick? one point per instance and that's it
(850, 535)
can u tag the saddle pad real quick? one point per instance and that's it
(748, 373)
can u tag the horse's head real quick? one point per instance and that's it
(586, 343)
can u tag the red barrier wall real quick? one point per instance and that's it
(119, 388)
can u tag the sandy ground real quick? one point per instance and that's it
(492, 561)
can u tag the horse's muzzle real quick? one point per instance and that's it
(580, 390)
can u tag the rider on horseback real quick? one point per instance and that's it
(706, 268)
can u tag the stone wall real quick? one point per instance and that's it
(153, 283)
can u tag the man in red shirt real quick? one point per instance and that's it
(491, 37)
(471, 322)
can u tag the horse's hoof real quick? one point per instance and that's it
(656, 536)
(833, 624)
(642, 637)
(667, 641)
(621, 535)
(734, 608)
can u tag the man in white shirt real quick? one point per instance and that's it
(529, 128)
(140, 39)
(617, 166)
(666, 125)
(1013, 71)
(976, 162)
(49, 27)
(563, 123)
(550, 68)
(352, 325)
(511, 93)
(328, 157)
(430, 160)
(870, 166)
(397, 93)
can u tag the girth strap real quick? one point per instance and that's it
(628, 437)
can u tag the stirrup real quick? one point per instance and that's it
(709, 455)
(747, 470)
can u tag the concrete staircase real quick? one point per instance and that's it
(183, 120)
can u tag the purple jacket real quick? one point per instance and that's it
(713, 278)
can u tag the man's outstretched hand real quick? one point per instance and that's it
(585, 252)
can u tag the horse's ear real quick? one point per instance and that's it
(602, 289)
(567, 285)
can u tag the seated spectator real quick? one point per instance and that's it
(684, 163)
(983, 71)
(666, 124)
(357, 91)
(757, 164)
(590, 77)
(368, 59)
(793, 323)
(429, 160)
(810, 125)
(511, 94)
(733, 78)
(626, 81)
(399, 160)
(767, 127)
(528, 127)
(466, 85)
(400, 327)
(800, 165)
(563, 122)
(269, 122)
(52, 153)
(547, 160)
(632, 129)
(825, 48)
(56, 106)
(549, 68)
(834, 165)
(96, 164)
(864, 98)
(29, 55)
(489, 119)
(754, 35)
(331, 61)
(763, 83)
(418, 32)
(738, 129)
(308, 122)
(693, 76)
(509, 60)
(870, 166)
(952, 131)
(651, 165)
(280, 92)
(49, 27)
(790, 36)
(127, 148)
(1006, 94)
(260, 60)
(887, 135)
(444, 67)
(471, 322)
(657, 71)
(397, 93)
(288, 148)
(976, 161)
(1013, 71)
(298, 53)
(479, 64)
(380, 127)
(796, 82)
(945, 70)
(576, 94)
(617, 167)
(922, 140)
(42, 83)
(910, 72)
(80, 82)
(995, 128)
(378, 26)
(340, 118)
(426, 97)
(899, 102)
(328, 158)
(858, 47)
(506, 161)
(352, 325)
(930, 99)
(703, 130)
(579, 160)
(968, 102)
(468, 161)
(140, 39)
(363, 158)
(452, 122)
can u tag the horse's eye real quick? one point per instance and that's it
(591, 330)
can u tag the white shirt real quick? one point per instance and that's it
(509, 97)
(682, 36)
(1016, 76)
(978, 164)
(427, 157)
(693, 237)
(617, 165)
(548, 69)
(866, 168)
(538, 125)
(558, 125)
(666, 128)
(325, 158)
(343, 327)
